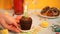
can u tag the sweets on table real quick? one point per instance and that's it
(52, 12)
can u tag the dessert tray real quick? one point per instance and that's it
(40, 15)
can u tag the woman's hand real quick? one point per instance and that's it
(9, 23)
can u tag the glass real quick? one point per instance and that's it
(5, 4)
(18, 6)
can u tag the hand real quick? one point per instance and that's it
(9, 23)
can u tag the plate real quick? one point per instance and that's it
(31, 29)
(40, 15)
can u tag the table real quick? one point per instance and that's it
(36, 22)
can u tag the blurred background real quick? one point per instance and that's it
(32, 4)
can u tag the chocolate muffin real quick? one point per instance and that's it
(25, 23)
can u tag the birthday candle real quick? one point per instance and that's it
(25, 10)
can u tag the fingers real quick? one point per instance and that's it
(3, 23)
(9, 27)
(14, 29)
(16, 25)
(9, 19)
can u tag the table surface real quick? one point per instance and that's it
(36, 22)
